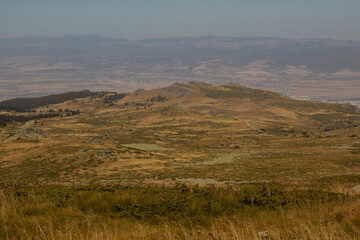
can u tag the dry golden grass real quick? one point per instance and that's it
(37, 218)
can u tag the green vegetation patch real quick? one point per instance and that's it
(23, 104)
(150, 202)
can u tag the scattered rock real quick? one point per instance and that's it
(177, 89)
(159, 98)
(28, 124)
(264, 234)
(28, 133)
(95, 141)
(85, 149)
(106, 152)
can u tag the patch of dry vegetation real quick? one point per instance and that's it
(179, 212)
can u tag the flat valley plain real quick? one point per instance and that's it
(315, 68)
(187, 161)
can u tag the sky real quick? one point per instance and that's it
(141, 19)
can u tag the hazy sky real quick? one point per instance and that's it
(139, 19)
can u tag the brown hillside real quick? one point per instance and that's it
(195, 132)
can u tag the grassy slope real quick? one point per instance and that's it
(264, 140)
(209, 134)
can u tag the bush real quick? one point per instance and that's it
(179, 201)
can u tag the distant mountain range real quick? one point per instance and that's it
(324, 55)
(324, 68)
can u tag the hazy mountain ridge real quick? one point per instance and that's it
(198, 98)
(178, 92)
(102, 46)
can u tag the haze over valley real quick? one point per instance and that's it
(317, 69)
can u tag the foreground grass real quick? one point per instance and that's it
(178, 212)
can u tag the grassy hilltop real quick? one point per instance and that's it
(188, 161)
